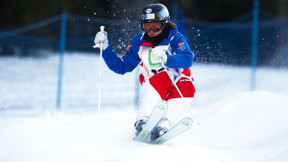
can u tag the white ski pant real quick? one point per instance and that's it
(152, 93)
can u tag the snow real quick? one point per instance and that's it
(236, 124)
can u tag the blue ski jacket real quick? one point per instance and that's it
(179, 56)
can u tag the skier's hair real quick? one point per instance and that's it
(171, 25)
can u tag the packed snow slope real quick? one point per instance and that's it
(235, 124)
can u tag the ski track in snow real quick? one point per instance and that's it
(236, 124)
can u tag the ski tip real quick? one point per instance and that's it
(187, 122)
(162, 105)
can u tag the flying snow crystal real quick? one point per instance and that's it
(198, 30)
(128, 20)
(94, 13)
(123, 44)
(119, 47)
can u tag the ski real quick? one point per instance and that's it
(156, 115)
(179, 128)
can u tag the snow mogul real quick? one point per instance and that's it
(160, 42)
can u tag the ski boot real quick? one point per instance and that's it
(139, 125)
(157, 132)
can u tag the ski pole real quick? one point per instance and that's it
(100, 73)
(180, 93)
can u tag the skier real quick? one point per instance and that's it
(160, 41)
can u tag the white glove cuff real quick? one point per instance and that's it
(105, 45)
(164, 59)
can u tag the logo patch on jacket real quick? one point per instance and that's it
(181, 46)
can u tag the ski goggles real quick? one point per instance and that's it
(152, 26)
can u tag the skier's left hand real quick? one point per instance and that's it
(158, 53)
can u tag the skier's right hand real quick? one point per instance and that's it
(101, 37)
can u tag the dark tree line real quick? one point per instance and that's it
(15, 13)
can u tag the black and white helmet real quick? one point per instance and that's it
(155, 13)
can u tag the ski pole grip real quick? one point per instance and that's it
(102, 28)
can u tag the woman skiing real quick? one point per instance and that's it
(160, 41)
